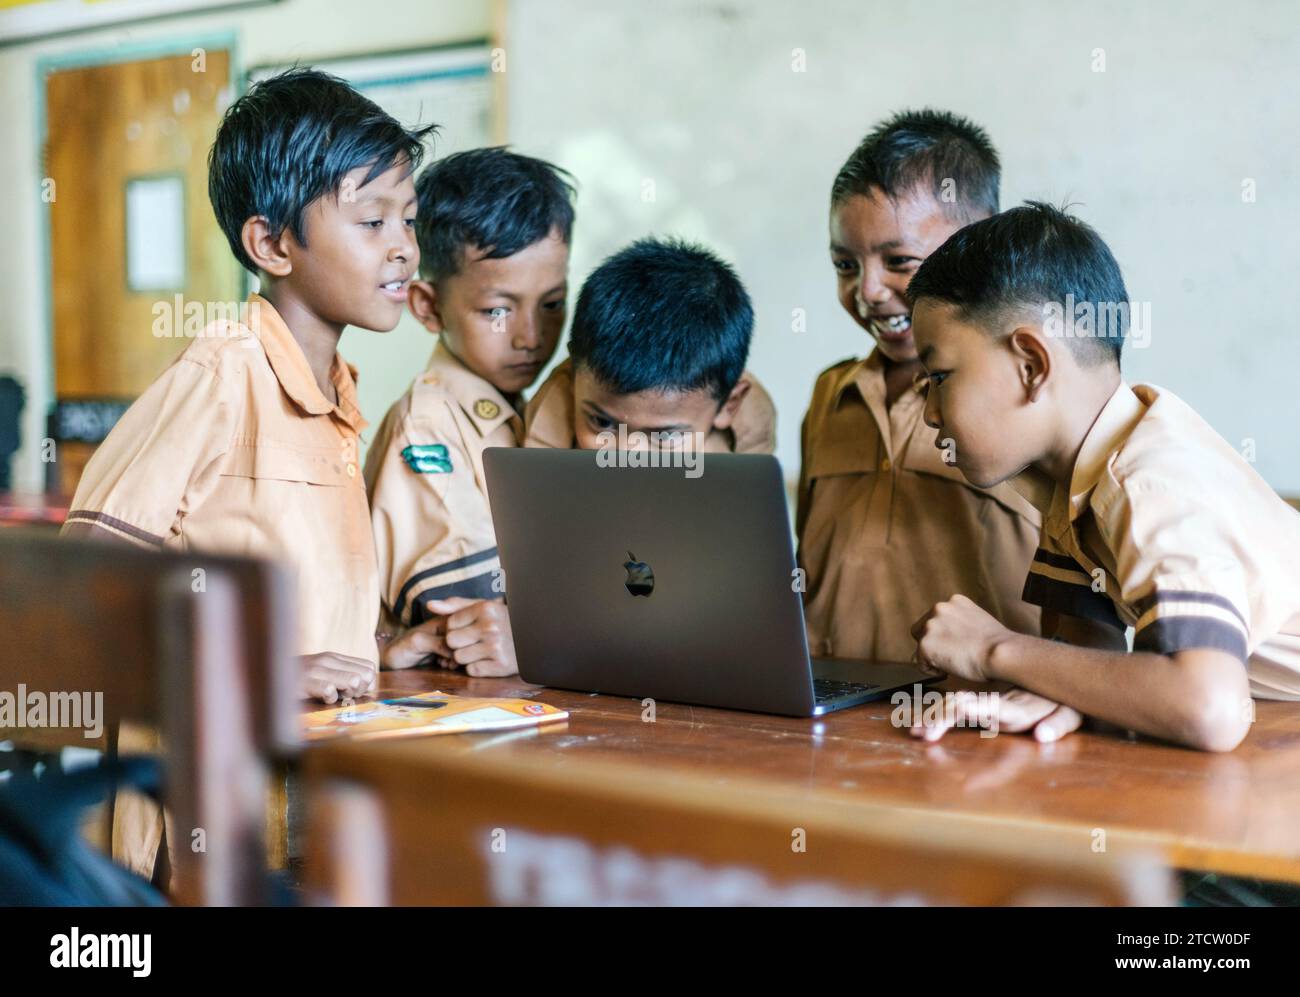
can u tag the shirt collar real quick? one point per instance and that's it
(868, 376)
(294, 373)
(485, 406)
(1036, 487)
(1109, 430)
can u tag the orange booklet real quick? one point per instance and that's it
(426, 713)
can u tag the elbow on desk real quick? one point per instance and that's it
(1216, 711)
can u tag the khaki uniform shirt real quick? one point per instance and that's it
(428, 496)
(887, 528)
(235, 450)
(1167, 529)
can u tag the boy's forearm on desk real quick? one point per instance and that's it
(1191, 698)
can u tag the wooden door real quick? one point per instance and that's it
(110, 126)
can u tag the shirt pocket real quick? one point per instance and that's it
(275, 461)
(843, 455)
(842, 474)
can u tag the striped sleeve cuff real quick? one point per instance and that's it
(111, 524)
(1173, 620)
(1057, 583)
(470, 577)
(478, 587)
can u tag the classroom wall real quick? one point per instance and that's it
(704, 101)
(699, 119)
(272, 33)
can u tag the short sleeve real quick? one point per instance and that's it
(159, 461)
(1058, 583)
(432, 523)
(1177, 565)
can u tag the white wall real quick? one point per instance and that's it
(283, 32)
(701, 99)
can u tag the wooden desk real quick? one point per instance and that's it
(1237, 813)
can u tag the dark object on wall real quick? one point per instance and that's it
(77, 426)
(12, 400)
(85, 420)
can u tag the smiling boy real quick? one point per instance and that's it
(494, 229)
(1150, 519)
(886, 525)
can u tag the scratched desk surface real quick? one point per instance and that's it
(1237, 813)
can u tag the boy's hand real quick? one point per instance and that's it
(331, 677)
(415, 645)
(958, 637)
(478, 636)
(1016, 711)
(474, 633)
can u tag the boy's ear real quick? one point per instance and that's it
(269, 253)
(1033, 359)
(727, 412)
(422, 299)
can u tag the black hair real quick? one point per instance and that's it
(663, 315)
(493, 200)
(921, 150)
(1033, 256)
(293, 138)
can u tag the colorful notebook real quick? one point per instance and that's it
(426, 713)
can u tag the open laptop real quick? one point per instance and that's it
(647, 582)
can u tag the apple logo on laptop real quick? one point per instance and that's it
(640, 579)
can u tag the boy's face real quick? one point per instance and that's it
(597, 409)
(981, 394)
(876, 245)
(361, 251)
(502, 318)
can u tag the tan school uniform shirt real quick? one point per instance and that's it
(549, 418)
(428, 495)
(887, 528)
(1167, 529)
(235, 450)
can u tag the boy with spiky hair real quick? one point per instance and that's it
(1150, 519)
(247, 442)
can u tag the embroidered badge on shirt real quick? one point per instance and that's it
(429, 458)
(486, 408)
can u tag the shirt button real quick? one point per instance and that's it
(352, 470)
(885, 465)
